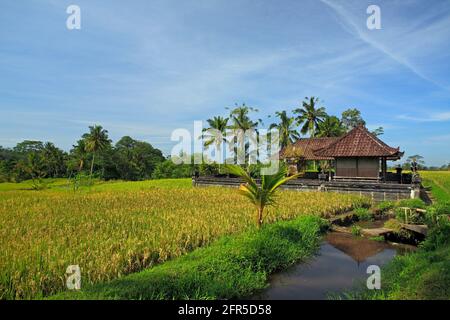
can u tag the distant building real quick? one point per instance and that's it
(358, 154)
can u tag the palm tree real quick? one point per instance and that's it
(240, 119)
(96, 140)
(262, 195)
(34, 165)
(310, 116)
(287, 133)
(79, 153)
(219, 125)
(330, 127)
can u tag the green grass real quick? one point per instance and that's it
(142, 185)
(439, 182)
(27, 185)
(62, 184)
(364, 214)
(233, 267)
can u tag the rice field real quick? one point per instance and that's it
(439, 181)
(114, 230)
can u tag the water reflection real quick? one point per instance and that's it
(342, 261)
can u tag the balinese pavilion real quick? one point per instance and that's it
(358, 155)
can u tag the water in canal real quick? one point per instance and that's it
(340, 264)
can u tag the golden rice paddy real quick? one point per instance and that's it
(112, 233)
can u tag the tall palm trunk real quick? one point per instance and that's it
(219, 150)
(92, 166)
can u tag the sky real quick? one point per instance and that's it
(145, 68)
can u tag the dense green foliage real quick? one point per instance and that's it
(363, 214)
(233, 267)
(385, 206)
(128, 159)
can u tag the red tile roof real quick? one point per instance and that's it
(359, 142)
(305, 148)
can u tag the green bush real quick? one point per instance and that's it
(409, 216)
(356, 231)
(438, 236)
(442, 208)
(363, 214)
(385, 206)
(412, 203)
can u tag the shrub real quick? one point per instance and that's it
(442, 208)
(363, 214)
(409, 216)
(356, 231)
(439, 235)
(412, 203)
(385, 206)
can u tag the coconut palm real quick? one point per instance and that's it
(240, 117)
(216, 133)
(287, 133)
(79, 153)
(240, 120)
(262, 195)
(309, 116)
(330, 127)
(96, 140)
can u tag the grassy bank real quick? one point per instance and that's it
(439, 182)
(233, 267)
(119, 230)
(424, 274)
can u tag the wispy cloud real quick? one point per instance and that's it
(433, 117)
(349, 24)
(439, 139)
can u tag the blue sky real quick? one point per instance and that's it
(144, 68)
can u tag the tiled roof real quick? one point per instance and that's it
(359, 142)
(306, 147)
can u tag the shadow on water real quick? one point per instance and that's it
(341, 263)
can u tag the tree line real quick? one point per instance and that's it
(94, 155)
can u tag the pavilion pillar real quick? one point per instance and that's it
(384, 168)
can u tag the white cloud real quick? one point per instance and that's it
(433, 117)
(444, 139)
